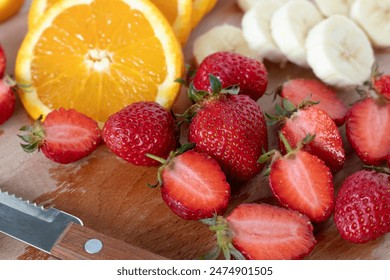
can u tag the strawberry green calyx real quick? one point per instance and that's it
(271, 155)
(286, 110)
(200, 96)
(224, 236)
(35, 136)
(216, 90)
(164, 162)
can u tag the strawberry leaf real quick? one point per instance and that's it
(215, 84)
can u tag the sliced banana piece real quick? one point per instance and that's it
(256, 28)
(222, 38)
(245, 5)
(374, 17)
(334, 7)
(339, 52)
(289, 27)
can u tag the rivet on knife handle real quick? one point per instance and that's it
(71, 246)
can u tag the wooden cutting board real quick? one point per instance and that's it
(111, 196)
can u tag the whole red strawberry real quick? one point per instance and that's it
(7, 101)
(362, 211)
(2, 62)
(298, 90)
(186, 189)
(381, 85)
(327, 144)
(367, 128)
(263, 232)
(233, 69)
(141, 128)
(232, 130)
(65, 136)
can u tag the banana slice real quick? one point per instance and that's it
(339, 52)
(334, 7)
(256, 28)
(289, 27)
(222, 38)
(245, 5)
(374, 17)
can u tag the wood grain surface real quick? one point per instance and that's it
(111, 196)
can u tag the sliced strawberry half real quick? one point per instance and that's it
(298, 90)
(302, 182)
(194, 186)
(265, 232)
(65, 136)
(7, 101)
(2, 62)
(367, 128)
(327, 144)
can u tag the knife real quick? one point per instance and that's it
(60, 234)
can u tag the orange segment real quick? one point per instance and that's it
(97, 56)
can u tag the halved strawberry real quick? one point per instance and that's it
(327, 144)
(298, 90)
(367, 128)
(302, 182)
(264, 232)
(193, 185)
(2, 62)
(7, 101)
(64, 137)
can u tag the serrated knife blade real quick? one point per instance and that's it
(61, 234)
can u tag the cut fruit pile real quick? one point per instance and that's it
(81, 54)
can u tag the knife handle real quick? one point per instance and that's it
(72, 246)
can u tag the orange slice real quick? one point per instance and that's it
(9, 8)
(178, 13)
(97, 56)
(199, 9)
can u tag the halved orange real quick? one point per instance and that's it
(97, 56)
(178, 13)
(199, 9)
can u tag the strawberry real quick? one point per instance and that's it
(187, 191)
(298, 90)
(301, 181)
(141, 128)
(367, 128)
(2, 62)
(263, 232)
(381, 85)
(327, 145)
(65, 136)
(362, 211)
(7, 101)
(233, 69)
(231, 129)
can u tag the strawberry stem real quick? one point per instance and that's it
(285, 143)
(156, 158)
(384, 170)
